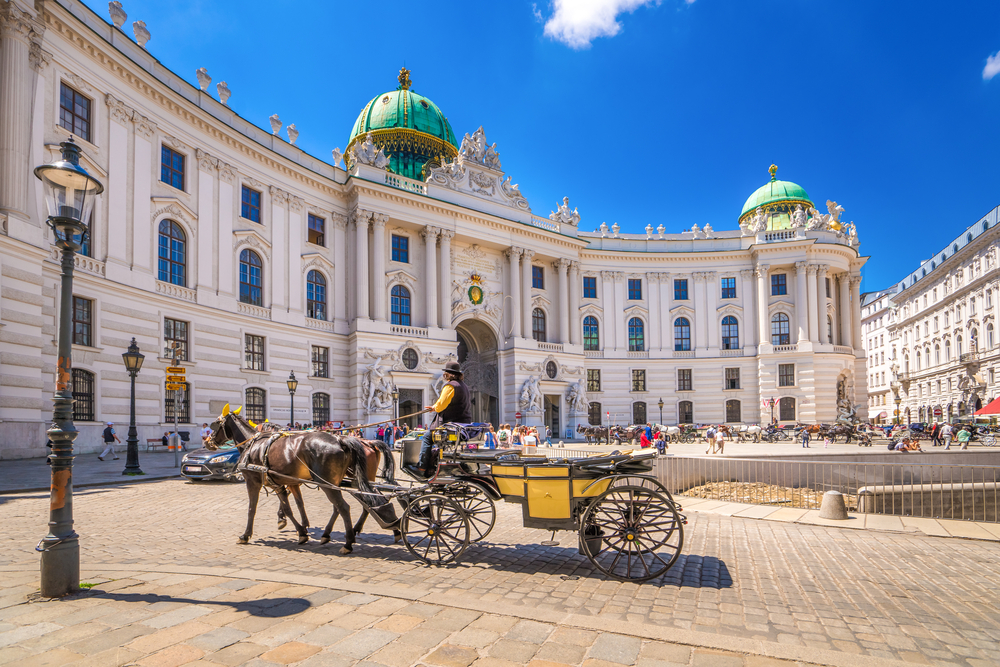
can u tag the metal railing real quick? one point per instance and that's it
(902, 489)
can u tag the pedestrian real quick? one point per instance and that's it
(946, 432)
(661, 443)
(110, 438)
(503, 436)
(936, 435)
(720, 439)
(390, 434)
(963, 437)
(491, 438)
(826, 442)
(548, 436)
(206, 433)
(649, 432)
(805, 437)
(165, 440)
(644, 442)
(710, 439)
(530, 438)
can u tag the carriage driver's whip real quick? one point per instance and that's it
(387, 421)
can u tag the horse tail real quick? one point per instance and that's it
(356, 448)
(389, 469)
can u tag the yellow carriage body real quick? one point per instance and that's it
(549, 493)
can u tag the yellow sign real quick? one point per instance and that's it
(175, 387)
(176, 378)
(179, 370)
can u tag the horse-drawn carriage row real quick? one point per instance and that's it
(628, 524)
(687, 433)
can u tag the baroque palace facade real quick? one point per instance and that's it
(257, 260)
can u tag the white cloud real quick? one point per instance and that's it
(992, 66)
(537, 13)
(576, 23)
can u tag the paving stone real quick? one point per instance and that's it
(238, 653)
(704, 658)
(325, 635)
(529, 631)
(573, 636)
(398, 654)
(564, 654)
(290, 652)
(619, 649)
(169, 636)
(449, 655)
(171, 657)
(326, 660)
(53, 658)
(515, 651)
(666, 652)
(364, 643)
(218, 639)
(399, 623)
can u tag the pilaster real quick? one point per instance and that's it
(224, 259)
(380, 310)
(561, 267)
(207, 252)
(430, 235)
(801, 302)
(513, 256)
(17, 28)
(444, 280)
(526, 256)
(812, 295)
(749, 331)
(359, 221)
(821, 300)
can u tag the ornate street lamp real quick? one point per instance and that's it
(133, 363)
(395, 406)
(897, 401)
(661, 410)
(292, 386)
(771, 403)
(69, 198)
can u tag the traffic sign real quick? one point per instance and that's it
(174, 387)
(179, 370)
(176, 378)
(517, 415)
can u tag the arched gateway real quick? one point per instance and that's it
(477, 353)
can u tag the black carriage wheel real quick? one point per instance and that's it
(435, 529)
(645, 481)
(641, 529)
(478, 506)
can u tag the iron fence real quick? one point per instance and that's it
(902, 489)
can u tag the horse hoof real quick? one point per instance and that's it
(303, 539)
(282, 523)
(324, 539)
(243, 540)
(345, 550)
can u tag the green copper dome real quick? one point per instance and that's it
(779, 198)
(410, 128)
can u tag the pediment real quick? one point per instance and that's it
(682, 310)
(729, 309)
(591, 309)
(251, 238)
(172, 206)
(540, 300)
(636, 310)
(401, 276)
(315, 259)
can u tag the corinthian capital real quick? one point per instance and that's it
(360, 217)
(812, 269)
(761, 270)
(528, 254)
(821, 269)
(205, 161)
(513, 254)
(746, 274)
(278, 196)
(561, 264)
(801, 266)
(14, 23)
(855, 280)
(429, 233)
(119, 112)
(446, 234)
(379, 219)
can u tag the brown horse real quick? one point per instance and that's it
(317, 456)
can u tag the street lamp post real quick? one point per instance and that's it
(292, 386)
(69, 197)
(771, 403)
(133, 363)
(897, 401)
(661, 410)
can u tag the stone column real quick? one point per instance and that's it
(824, 330)
(855, 307)
(360, 219)
(526, 292)
(445, 278)
(575, 331)
(117, 185)
(749, 332)
(513, 266)
(296, 276)
(379, 308)
(430, 235)
(142, 188)
(619, 321)
(714, 289)
(653, 299)
(339, 292)
(666, 298)
(762, 299)
(801, 302)
(228, 280)
(845, 309)
(278, 272)
(16, 32)
(700, 311)
(813, 295)
(207, 166)
(561, 268)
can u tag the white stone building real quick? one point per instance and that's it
(259, 260)
(875, 307)
(942, 328)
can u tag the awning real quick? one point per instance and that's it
(992, 409)
(883, 414)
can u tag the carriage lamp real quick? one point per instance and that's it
(292, 386)
(69, 193)
(133, 363)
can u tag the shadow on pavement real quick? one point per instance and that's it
(269, 607)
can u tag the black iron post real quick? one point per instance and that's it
(292, 385)
(133, 362)
(772, 401)
(69, 195)
(661, 410)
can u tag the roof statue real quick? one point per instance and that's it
(474, 149)
(367, 153)
(404, 79)
(564, 215)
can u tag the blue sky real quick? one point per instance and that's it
(648, 112)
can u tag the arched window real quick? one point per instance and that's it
(917, 367)
(255, 407)
(685, 412)
(400, 306)
(251, 278)
(733, 412)
(682, 334)
(779, 330)
(958, 345)
(947, 351)
(321, 409)
(594, 414)
(989, 336)
(172, 267)
(937, 355)
(538, 325)
(83, 395)
(639, 412)
(730, 333)
(906, 364)
(591, 334)
(786, 409)
(972, 307)
(636, 335)
(316, 295)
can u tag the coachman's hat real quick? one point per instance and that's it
(453, 368)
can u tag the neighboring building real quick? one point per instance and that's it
(874, 329)
(942, 328)
(258, 259)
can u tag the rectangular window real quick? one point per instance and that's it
(593, 379)
(786, 375)
(827, 287)
(729, 288)
(589, 287)
(684, 379)
(317, 230)
(250, 204)
(74, 112)
(254, 352)
(680, 289)
(635, 289)
(779, 286)
(401, 249)
(83, 321)
(638, 380)
(183, 405)
(537, 277)
(321, 362)
(176, 332)
(732, 378)
(171, 167)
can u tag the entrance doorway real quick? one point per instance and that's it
(477, 354)
(552, 416)
(410, 401)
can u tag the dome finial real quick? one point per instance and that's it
(773, 171)
(404, 79)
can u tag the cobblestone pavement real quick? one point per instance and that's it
(807, 593)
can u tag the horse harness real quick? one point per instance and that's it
(263, 469)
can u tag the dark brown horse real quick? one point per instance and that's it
(317, 456)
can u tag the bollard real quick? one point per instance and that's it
(833, 506)
(174, 443)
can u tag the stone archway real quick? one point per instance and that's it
(477, 354)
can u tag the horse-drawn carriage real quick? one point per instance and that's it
(628, 524)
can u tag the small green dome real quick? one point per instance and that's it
(778, 199)
(410, 128)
